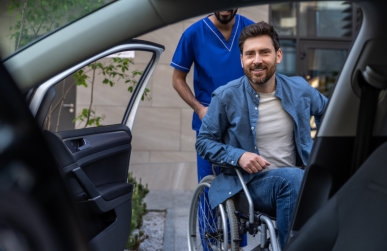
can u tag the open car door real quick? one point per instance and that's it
(87, 113)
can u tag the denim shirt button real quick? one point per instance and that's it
(229, 193)
(232, 162)
(256, 95)
(252, 128)
(256, 108)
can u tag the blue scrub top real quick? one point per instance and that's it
(216, 61)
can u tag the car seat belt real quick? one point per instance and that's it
(370, 83)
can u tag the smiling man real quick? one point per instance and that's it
(261, 123)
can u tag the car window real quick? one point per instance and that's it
(97, 94)
(25, 21)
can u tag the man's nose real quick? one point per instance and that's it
(257, 59)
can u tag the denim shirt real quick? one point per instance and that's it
(228, 128)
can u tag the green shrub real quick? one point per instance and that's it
(138, 210)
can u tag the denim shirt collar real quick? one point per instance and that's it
(252, 92)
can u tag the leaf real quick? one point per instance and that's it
(136, 73)
(85, 112)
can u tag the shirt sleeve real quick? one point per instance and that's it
(209, 142)
(318, 105)
(184, 54)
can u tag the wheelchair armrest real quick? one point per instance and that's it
(222, 166)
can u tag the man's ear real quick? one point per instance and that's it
(279, 56)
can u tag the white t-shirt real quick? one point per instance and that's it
(274, 132)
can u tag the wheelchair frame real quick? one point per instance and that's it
(256, 222)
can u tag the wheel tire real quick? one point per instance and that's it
(215, 238)
(194, 239)
(233, 225)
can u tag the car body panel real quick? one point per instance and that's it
(37, 210)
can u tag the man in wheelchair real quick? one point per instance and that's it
(261, 124)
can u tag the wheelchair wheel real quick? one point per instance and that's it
(232, 224)
(211, 229)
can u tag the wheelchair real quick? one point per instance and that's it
(223, 227)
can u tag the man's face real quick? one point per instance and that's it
(259, 59)
(225, 16)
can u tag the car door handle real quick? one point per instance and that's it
(83, 144)
(78, 144)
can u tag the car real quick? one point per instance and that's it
(64, 186)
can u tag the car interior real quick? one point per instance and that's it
(72, 185)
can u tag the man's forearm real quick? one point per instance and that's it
(187, 95)
(180, 85)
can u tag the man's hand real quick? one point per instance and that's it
(252, 163)
(202, 112)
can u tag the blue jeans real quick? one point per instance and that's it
(275, 192)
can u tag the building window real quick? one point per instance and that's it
(283, 17)
(325, 19)
(316, 38)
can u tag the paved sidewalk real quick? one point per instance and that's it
(177, 203)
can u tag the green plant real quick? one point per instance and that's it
(138, 210)
(113, 71)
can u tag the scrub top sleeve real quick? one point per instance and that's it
(184, 55)
(247, 22)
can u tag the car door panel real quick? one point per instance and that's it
(95, 160)
(103, 158)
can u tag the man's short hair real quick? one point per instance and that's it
(259, 29)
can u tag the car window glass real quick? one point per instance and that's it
(24, 21)
(98, 94)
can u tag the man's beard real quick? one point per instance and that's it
(263, 80)
(225, 20)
